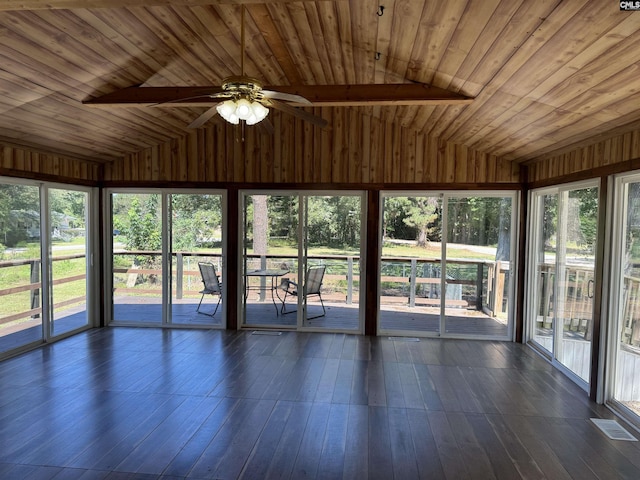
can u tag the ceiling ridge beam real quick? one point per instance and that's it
(318, 95)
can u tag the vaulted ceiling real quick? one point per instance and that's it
(544, 74)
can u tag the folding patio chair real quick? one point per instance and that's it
(312, 286)
(212, 285)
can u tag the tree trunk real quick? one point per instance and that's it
(503, 252)
(260, 224)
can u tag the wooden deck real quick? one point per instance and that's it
(339, 317)
(394, 319)
(146, 403)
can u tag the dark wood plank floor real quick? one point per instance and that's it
(146, 403)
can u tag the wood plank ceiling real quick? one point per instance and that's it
(544, 74)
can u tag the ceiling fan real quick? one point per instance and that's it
(243, 99)
(240, 98)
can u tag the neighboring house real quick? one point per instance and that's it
(24, 225)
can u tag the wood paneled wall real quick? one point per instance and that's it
(596, 158)
(15, 161)
(356, 149)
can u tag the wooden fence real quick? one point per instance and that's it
(488, 282)
(34, 287)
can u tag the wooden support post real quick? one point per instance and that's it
(263, 280)
(179, 275)
(412, 283)
(479, 278)
(546, 302)
(498, 294)
(349, 299)
(35, 293)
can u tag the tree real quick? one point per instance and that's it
(588, 215)
(195, 220)
(423, 213)
(503, 252)
(144, 229)
(334, 221)
(393, 224)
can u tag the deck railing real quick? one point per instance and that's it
(482, 286)
(34, 287)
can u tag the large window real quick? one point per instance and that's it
(68, 212)
(301, 260)
(447, 263)
(563, 232)
(136, 220)
(44, 262)
(624, 364)
(158, 240)
(196, 229)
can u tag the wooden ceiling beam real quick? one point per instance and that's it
(14, 5)
(318, 95)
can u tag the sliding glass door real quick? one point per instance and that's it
(301, 260)
(478, 265)
(411, 264)
(624, 329)
(446, 265)
(21, 296)
(561, 274)
(68, 220)
(196, 237)
(158, 241)
(136, 254)
(45, 260)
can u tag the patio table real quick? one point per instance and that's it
(273, 274)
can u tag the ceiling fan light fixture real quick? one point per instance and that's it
(252, 120)
(243, 109)
(251, 112)
(259, 110)
(226, 109)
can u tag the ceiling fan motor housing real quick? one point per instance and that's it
(242, 85)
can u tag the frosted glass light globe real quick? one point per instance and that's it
(243, 110)
(226, 109)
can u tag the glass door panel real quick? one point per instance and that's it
(478, 266)
(270, 260)
(20, 266)
(626, 381)
(545, 267)
(136, 221)
(196, 237)
(565, 236)
(410, 267)
(575, 266)
(331, 261)
(68, 240)
(301, 261)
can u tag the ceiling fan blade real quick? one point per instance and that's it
(196, 101)
(202, 119)
(149, 96)
(266, 126)
(287, 97)
(309, 117)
